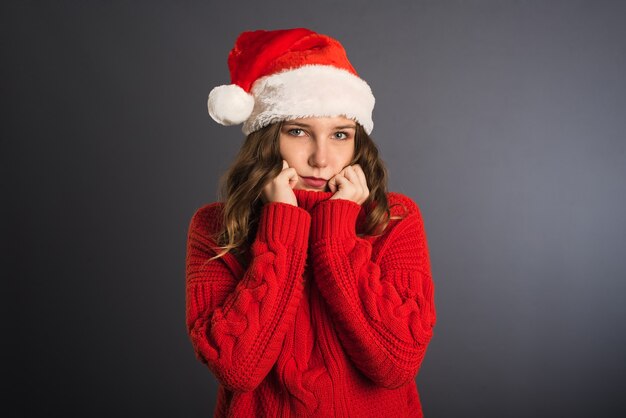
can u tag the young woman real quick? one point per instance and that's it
(309, 288)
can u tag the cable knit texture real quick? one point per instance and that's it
(323, 321)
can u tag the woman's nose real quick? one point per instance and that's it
(319, 155)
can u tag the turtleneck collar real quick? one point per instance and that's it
(307, 199)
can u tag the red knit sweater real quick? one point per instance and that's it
(322, 322)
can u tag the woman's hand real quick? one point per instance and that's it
(280, 188)
(350, 184)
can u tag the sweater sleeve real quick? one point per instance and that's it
(383, 306)
(237, 322)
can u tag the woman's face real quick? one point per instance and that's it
(318, 148)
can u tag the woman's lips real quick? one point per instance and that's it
(314, 182)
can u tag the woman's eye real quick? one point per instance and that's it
(297, 131)
(345, 136)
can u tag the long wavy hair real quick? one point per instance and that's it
(259, 161)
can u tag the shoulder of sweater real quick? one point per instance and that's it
(403, 210)
(207, 218)
(402, 205)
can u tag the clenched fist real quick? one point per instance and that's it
(280, 189)
(350, 184)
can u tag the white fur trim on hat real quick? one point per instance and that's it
(230, 104)
(310, 91)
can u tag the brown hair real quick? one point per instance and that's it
(259, 161)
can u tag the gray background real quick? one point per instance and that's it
(503, 120)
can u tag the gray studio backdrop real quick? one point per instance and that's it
(503, 120)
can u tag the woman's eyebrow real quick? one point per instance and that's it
(304, 125)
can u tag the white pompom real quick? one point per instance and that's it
(230, 104)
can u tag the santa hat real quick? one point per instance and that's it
(287, 74)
